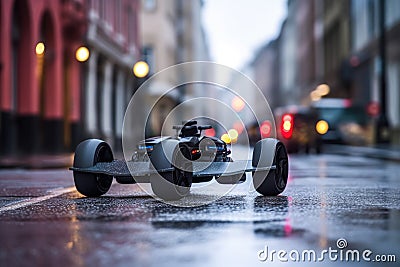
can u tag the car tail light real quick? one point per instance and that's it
(287, 125)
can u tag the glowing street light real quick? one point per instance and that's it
(39, 49)
(315, 96)
(225, 137)
(141, 69)
(233, 135)
(82, 54)
(323, 89)
(237, 104)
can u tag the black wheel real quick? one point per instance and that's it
(272, 182)
(87, 154)
(171, 185)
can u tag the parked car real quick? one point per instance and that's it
(297, 128)
(346, 122)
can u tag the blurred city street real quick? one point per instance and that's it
(44, 221)
(171, 86)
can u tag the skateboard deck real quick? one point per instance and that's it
(121, 168)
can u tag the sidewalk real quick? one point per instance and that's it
(37, 161)
(378, 152)
(42, 161)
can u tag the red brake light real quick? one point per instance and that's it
(287, 126)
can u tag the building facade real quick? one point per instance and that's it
(335, 46)
(275, 65)
(304, 14)
(113, 41)
(265, 69)
(39, 74)
(171, 33)
(51, 97)
(365, 59)
(337, 42)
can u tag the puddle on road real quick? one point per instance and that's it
(272, 229)
(374, 217)
(6, 201)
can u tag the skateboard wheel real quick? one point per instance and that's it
(172, 185)
(87, 154)
(269, 152)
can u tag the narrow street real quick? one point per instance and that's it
(44, 221)
(162, 82)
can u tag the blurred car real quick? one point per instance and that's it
(346, 123)
(299, 128)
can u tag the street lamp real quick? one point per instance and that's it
(39, 49)
(323, 89)
(82, 54)
(141, 69)
(237, 104)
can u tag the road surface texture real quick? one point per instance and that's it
(335, 206)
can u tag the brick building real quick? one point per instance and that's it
(113, 40)
(39, 75)
(50, 100)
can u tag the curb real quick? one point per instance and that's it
(369, 152)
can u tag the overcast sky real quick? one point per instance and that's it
(237, 28)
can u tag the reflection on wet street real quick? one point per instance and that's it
(328, 197)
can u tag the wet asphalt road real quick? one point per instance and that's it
(45, 222)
